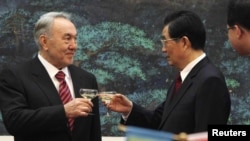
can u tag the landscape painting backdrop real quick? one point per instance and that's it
(119, 41)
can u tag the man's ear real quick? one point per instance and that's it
(43, 41)
(186, 42)
(239, 31)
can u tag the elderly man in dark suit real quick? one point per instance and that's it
(202, 96)
(31, 106)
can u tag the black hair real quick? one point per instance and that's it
(186, 23)
(238, 12)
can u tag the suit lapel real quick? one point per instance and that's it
(43, 81)
(76, 80)
(81, 79)
(172, 101)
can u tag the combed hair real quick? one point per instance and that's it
(238, 12)
(187, 23)
(44, 24)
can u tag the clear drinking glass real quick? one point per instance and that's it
(107, 96)
(88, 94)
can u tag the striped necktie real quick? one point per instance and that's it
(64, 93)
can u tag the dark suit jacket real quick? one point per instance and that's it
(32, 109)
(202, 99)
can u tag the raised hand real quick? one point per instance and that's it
(78, 107)
(118, 103)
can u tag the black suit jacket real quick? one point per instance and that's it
(32, 109)
(202, 99)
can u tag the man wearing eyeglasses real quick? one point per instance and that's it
(202, 98)
(238, 24)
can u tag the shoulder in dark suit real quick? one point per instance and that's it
(203, 99)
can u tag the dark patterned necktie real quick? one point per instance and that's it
(64, 93)
(177, 84)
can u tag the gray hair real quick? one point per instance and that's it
(44, 24)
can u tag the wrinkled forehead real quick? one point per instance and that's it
(64, 26)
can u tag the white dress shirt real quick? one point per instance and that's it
(190, 66)
(52, 71)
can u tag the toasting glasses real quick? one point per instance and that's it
(88, 94)
(106, 96)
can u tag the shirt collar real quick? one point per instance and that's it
(52, 70)
(190, 66)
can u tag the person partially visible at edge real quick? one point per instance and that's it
(238, 25)
(203, 98)
(30, 103)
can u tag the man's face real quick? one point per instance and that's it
(171, 48)
(59, 47)
(239, 39)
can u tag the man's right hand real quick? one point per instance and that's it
(120, 103)
(78, 107)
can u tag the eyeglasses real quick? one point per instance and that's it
(165, 41)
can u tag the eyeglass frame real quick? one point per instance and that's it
(233, 27)
(165, 41)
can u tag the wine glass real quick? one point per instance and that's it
(88, 94)
(106, 97)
